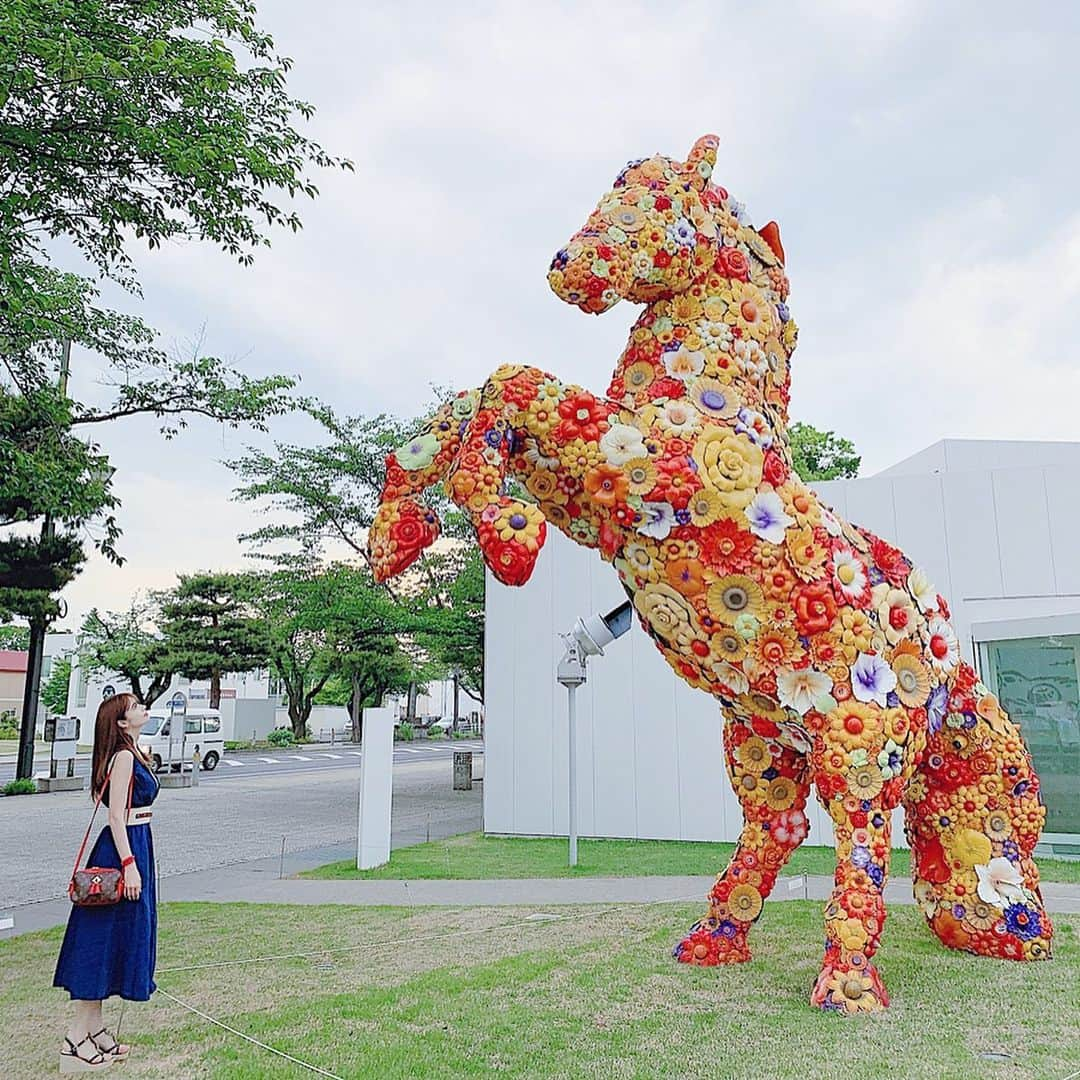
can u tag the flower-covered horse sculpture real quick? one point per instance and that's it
(832, 655)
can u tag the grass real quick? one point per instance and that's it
(475, 856)
(452, 993)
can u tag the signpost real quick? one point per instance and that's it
(177, 712)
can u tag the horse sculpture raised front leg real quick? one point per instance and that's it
(831, 655)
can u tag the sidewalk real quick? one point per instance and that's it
(258, 882)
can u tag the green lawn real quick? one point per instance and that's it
(439, 993)
(474, 856)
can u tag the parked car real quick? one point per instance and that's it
(202, 732)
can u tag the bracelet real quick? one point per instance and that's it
(124, 863)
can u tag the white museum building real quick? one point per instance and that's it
(996, 526)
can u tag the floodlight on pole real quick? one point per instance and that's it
(588, 638)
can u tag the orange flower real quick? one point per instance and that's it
(607, 485)
(686, 575)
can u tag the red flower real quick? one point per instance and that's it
(510, 561)
(583, 417)
(890, 561)
(662, 202)
(667, 388)
(732, 263)
(774, 471)
(662, 259)
(675, 481)
(943, 607)
(815, 608)
(764, 727)
(726, 547)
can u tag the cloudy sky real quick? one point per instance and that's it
(921, 160)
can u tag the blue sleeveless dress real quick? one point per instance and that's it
(113, 949)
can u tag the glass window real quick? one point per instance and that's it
(152, 725)
(80, 688)
(192, 725)
(211, 724)
(1037, 681)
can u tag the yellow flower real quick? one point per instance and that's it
(781, 793)
(807, 555)
(543, 415)
(639, 376)
(521, 522)
(744, 903)
(912, 680)
(730, 464)
(864, 781)
(579, 456)
(754, 755)
(705, 507)
(641, 475)
(970, 847)
(735, 595)
(685, 308)
(857, 635)
(666, 610)
(852, 991)
(852, 934)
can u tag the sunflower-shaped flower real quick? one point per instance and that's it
(522, 522)
(744, 903)
(735, 595)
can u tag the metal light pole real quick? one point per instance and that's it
(24, 768)
(588, 638)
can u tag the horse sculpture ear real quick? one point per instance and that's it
(702, 158)
(771, 235)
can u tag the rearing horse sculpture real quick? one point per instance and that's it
(832, 655)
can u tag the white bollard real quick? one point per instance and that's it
(376, 789)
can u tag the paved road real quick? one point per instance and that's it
(254, 763)
(300, 806)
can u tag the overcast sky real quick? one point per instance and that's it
(921, 159)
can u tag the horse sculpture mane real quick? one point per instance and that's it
(831, 653)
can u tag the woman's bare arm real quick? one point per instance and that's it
(123, 764)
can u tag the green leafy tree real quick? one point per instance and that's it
(321, 621)
(54, 693)
(122, 123)
(129, 644)
(822, 455)
(208, 629)
(14, 637)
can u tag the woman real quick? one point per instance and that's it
(112, 949)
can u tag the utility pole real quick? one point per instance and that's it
(24, 768)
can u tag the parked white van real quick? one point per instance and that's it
(202, 732)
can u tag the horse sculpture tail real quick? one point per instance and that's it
(973, 817)
(404, 526)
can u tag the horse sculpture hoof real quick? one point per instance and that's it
(511, 535)
(850, 989)
(711, 943)
(402, 529)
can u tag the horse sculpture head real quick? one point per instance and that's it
(657, 233)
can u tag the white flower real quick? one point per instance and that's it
(419, 453)
(767, 518)
(791, 734)
(872, 679)
(684, 363)
(925, 594)
(532, 453)
(799, 689)
(1000, 883)
(678, 418)
(829, 520)
(849, 572)
(731, 677)
(944, 648)
(622, 443)
(714, 332)
(659, 520)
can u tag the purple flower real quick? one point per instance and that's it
(493, 437)
(682, 516)
(767, 518)
(683, 233)
(860, 856)
(936, 708)
(872, 679)
(1023, 921)
(875, 874)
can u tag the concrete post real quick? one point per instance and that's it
(376, 789)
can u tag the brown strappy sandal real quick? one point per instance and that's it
(115, 1049)
(71, 1061)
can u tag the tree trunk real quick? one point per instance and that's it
(455, 702)
(215, 689)
(356, 712)
(410, 708)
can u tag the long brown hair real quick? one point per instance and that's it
(110, 737)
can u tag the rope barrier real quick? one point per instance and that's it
(248, 1038)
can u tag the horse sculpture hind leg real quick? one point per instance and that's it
(772, 783)
(973, 817)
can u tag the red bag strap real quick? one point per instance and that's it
(97, 803)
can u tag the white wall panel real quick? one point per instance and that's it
(1063, 508)
(870, 504)
(971, 528)
(1023, 532)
